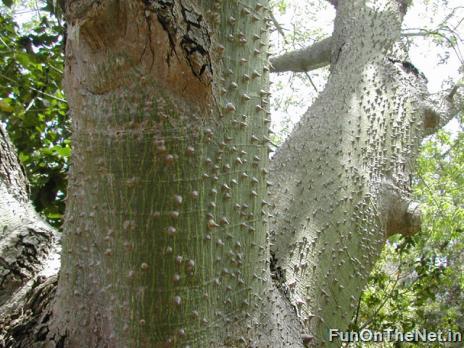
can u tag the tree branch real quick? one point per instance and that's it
(426, 32)
(28, 245)
(440, 108)
(306, 59)
(399, 213)
(277, 25)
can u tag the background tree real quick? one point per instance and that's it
(32, 106)
(174, 179)
(403, 292)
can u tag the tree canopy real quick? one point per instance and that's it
(32, 103)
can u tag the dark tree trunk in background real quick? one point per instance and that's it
(28, 250)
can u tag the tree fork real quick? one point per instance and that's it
(165, 236)
(342, 177)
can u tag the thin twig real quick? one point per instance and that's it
(311, 81)
(279, 28)
(35, 89)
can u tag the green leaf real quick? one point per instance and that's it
(8, 3)
(5, 106)
(62, 151)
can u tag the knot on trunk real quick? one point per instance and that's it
(398, 213)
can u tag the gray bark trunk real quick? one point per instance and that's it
(28, 250)
(342, 178)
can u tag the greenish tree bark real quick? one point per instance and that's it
(170, 237)
(165, 240)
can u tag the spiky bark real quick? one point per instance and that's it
(342, 179)
(165, 241)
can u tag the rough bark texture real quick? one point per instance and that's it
(27, 245)
(165, 238)
(342, 178)
(11, 174)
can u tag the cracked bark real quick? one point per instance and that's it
(28, 247)
(169, 135)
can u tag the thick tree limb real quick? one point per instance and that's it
(399, 214)
(440, 108)
(333, 2)
(28, 245)
(306, 59)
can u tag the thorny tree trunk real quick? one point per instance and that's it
(165, 241)
(342, 179)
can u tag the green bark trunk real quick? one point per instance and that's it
(164, 239)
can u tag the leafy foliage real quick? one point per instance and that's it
(32, 105)
(419, 281)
